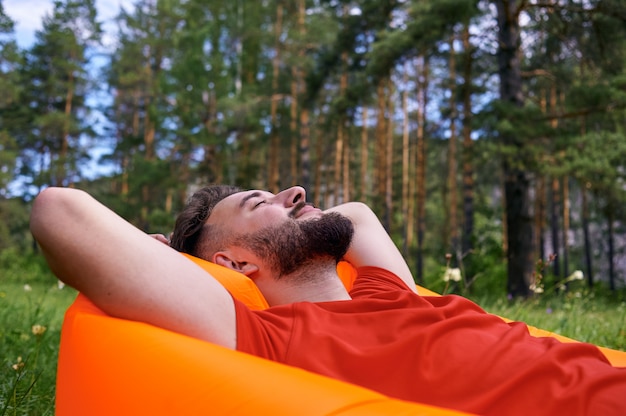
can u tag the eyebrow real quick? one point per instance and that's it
(248, 197)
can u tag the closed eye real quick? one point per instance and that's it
(258, 203)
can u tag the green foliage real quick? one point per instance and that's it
(23, 267)
(14, 217)
(596, 159)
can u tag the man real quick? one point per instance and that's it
(444, 350)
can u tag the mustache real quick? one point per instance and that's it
(298, 207)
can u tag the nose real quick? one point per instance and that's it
(291, 196)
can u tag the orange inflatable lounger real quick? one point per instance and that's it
(109, 366)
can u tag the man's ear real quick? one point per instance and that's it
(227, 260)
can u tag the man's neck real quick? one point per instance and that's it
(311, 283)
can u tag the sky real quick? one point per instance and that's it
(27, 15)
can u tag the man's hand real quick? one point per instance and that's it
(160, 237)
(371, 245)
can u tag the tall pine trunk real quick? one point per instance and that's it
(422, 100)
(587, 239)
(381, 147)
(519, 230)
(305, 128)
(555, 196)
(273, 174)
(407, 230)
(452, 203)
(468, 167)
(365, 177)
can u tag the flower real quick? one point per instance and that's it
(455, 275)
(578, 275)
(19, 365)
(27, 288)
(38, 330)
(536, 288)
(452, 274)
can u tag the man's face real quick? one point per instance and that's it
(283, 229)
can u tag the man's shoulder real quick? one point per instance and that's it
(371, 279)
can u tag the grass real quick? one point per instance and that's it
(31, 315)
(29, 296)
(589, 316)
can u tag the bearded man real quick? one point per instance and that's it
(380, 334)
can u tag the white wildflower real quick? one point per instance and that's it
(455, 275)
(19, 365)
(27, 288)
(38, 329)
(578, 275)
(452, 274)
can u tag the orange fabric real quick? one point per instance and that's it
(236, 283)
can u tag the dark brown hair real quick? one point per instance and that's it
(190, 233)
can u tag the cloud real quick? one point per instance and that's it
(28, 15)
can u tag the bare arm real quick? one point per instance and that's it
(127, 273)
(371, 245)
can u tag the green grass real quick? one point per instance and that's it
(580, 314)
(29, 360)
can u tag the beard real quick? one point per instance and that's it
(295, 244)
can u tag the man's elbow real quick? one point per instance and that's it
(47, 207)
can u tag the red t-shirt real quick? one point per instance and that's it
(443, 351)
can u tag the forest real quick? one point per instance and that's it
(488, 136)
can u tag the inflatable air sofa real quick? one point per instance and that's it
(109, 366)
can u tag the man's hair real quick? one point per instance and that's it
(191, 233)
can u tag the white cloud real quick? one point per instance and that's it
(28, 14)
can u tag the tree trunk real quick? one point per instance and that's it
(293, 127)
(341, 133)
(555, 196)
(319, 151)
(69, 96)
(336, 186)
(468, 168)
(540, 215)
(566, 226)
(452, 203)
(381, 147)
(407, 230)
(611, 242)
(422, 99)
(305, 152)
(389, 159)
(346, 170)
(365, 181)
(273, 171)
(303, 176)
(585, 220)
(585, 216)
(516, 179)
